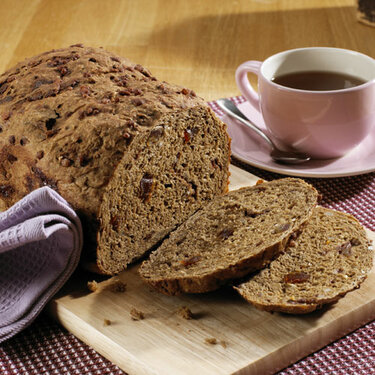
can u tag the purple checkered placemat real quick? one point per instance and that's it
(47, 348)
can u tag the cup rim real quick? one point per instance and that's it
(317, 92)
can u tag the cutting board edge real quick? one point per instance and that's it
(362, 315)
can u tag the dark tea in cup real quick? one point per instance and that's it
(318, 80)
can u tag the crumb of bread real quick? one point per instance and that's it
(185, 312)
(210, 340)
(223, 344)
(92, 286)
(136, 314)
(117, 286)
(107, 322)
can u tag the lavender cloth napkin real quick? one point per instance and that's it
(40, 246)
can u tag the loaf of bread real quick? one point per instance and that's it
(230, 237)
(330, 257)
(134, 156)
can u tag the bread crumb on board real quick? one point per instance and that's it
(185, 312)
(92, 286)
(107, 322)
(223, 344)
(136, 314)
(210, 340)
(116, 286)
(214, 341)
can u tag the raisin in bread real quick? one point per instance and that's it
(134, 156)
(230, 237)
(330, 257)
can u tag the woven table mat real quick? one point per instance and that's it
(47, 348)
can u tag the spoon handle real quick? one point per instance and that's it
(228, 107)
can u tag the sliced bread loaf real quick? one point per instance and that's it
(134, 156)
(329, 258)
(231, 236)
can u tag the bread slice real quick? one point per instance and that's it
(162, 180)
(330, 257)
(231, 236)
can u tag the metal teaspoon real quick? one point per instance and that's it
(285, 157)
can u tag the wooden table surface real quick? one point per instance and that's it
(194, 43)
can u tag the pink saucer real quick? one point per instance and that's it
(250, 149)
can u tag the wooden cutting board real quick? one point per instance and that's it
(248, 341)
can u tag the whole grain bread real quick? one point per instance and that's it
(231, 236)
(330, 257)
(134, 156)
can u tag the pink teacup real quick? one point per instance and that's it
(322, 124)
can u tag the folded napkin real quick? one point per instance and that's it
(40, 246)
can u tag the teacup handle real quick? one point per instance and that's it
(243, 83)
